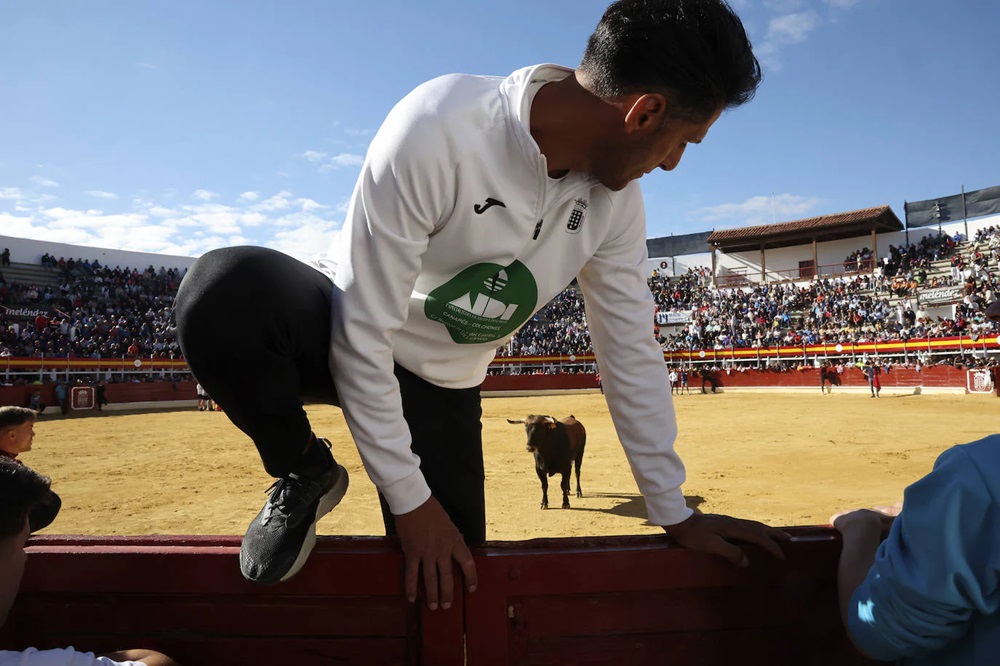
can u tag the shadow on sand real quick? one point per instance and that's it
(633, 505)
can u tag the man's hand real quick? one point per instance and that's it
(711, 533)
(877, 519)
(862, 531)
(431, 541)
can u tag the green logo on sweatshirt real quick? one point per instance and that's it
(483, 303)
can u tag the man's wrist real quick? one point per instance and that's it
(679, 527)
(860, 525)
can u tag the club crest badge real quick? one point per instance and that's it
(577, 217)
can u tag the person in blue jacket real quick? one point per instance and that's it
(930, 592)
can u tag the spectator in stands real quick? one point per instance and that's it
(5, 257)
(21, 489)
(591, 133)
(17, 431)
(928, 593)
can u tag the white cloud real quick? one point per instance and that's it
(307, 239)
(299, 226)
(279, 201)
(353, 131)
(347, 159)
(342, 160)
(761, 210)
(309, 205)
(783, 6)
(249, 197)
(843, 4)
(313, 155)
(101, 194)
(792, 28)
(42, 181)
(205, 195)
(786, 30)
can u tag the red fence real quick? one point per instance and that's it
(595, 601)
(931, 377)
(158, 391)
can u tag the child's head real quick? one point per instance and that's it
(21, 488)
(16, 429)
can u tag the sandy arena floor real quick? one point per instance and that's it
(786, 459)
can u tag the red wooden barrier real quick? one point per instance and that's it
(185, 597)
(607, 600)
(639, 600)
(937, 376)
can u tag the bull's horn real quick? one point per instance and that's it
(513, 421)
(550, 419)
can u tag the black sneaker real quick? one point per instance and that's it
(279, 540)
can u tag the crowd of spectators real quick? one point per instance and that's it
(100, 312)
(878, 305)
(558, 328)
(910, 259)
(93, 312)
(859, 260)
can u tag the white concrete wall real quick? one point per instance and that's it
(27, 251)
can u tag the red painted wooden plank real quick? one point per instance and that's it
(115, 566)
(689, 609)
(185, 595)
(639, 599)
(271, 615)
(773, 648)
(442, 639)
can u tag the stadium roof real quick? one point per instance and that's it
(824, 228)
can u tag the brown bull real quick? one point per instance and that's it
(557, 445)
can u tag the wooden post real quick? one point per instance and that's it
(763, 265)
(874, 250)
(815, 259)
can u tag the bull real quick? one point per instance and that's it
(557, 446)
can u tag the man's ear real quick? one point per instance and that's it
(645, 113)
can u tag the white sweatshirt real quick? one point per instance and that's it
(455, 236)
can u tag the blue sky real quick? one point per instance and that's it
(181, 126)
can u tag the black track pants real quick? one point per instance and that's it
(254, 327)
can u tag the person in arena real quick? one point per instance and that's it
(921, 588)
(480, 199)
(21, 490)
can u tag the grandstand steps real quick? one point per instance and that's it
(30, 274)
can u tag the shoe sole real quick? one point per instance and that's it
(326, 504)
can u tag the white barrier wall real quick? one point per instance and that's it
(27, 251)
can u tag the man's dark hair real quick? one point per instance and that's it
(694, 52)
(11, 417)
(21, 488)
